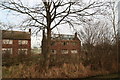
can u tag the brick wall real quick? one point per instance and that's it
(65, 44)
(15, 46)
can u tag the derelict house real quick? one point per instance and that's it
(64, 44)
(16, 42)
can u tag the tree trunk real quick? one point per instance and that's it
(48, 41)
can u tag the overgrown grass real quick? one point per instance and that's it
(115, 75)
(62, 66)
(35, 71)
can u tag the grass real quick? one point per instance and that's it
(35, 71)
(113, 75)
(61, 67)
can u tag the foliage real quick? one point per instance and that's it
(101, 56)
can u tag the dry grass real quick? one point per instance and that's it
(65, 67)
(34, 71)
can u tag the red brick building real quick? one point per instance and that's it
(64, 44)
(16, 42)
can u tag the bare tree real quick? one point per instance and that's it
(93, 32)
(48, 14)
(110, 13)
(112, 18)
(97, 38)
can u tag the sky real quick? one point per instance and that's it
(9, 17)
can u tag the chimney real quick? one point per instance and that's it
(30, 31)
(76, 34)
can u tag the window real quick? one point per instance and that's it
(52, 43)
(74, 43)
(74, 51)
(23, 42)
(7, 41)
(65, 43)
(6, 50)
(22, 51)
(65, 37)
(53, 51)
(64, 51)
(71, 37)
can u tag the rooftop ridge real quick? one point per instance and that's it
(15, 31)
(15, 34)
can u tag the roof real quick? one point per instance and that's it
(63, 37)
(15, 35)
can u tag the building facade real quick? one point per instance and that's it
(16, 42)
(64, 44)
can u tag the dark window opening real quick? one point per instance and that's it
(65, 43)
(52, 43)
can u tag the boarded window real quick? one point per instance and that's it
(64, 51)
(53, 51)
(74, 51)
(23, 42)
(5, 41)
(74, 43)
(22, 51)
(6, 50)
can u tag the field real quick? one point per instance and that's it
(63, 67)
(109, 76)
